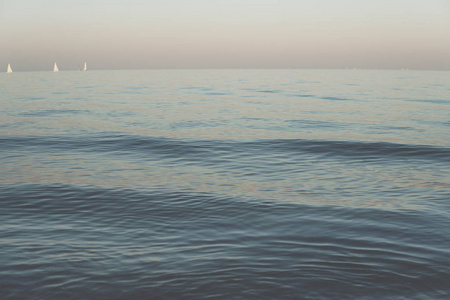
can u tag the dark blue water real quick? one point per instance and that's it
(225, 184)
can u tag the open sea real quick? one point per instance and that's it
(225, 184)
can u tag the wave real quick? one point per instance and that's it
(189, 245)
(49, 113)
(204, 149)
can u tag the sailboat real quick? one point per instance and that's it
(85, 67)
(9, 70)
(55, 68)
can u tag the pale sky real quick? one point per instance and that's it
(130, 34)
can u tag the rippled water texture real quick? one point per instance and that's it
(225, 184)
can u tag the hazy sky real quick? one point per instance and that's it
(127, 34)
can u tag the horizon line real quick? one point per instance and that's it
(241, 68)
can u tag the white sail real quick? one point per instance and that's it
(55, 68)
(85, 67)
(9, 70)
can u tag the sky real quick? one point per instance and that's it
(143, 34)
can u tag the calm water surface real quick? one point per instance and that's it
(225, 184)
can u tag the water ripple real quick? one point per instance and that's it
(202, 245)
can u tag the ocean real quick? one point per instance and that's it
(225, 184)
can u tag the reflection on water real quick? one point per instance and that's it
(225, 184)
(178, 104)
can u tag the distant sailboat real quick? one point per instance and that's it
(55, 68)
(9, 70)
(85, 67)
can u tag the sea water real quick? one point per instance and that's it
(225, 184)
